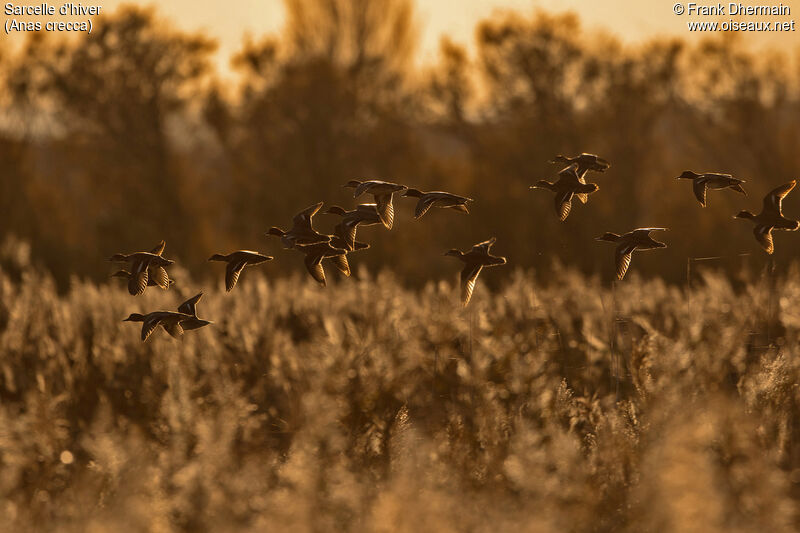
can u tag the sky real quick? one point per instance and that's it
(629, 20)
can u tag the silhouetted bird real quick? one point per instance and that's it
(170, 321)
(382, 191)
(567, 185)
(771, 217)
(711, 180)
(236, 262)
(477, 258)
(362, 215)
(302, 231)
(143, 267)
(638, 239)
(441, 199)
(585, 162)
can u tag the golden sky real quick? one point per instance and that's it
(629, 20)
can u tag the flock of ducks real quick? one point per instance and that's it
(148, 269)
(571, 183)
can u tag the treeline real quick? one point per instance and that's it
(118, 139)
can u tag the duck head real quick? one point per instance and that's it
(278, 232)
(134, 317)
(415, 193)
(744, 214)
(454, 253)
(218, 257)
(352, 184)
(121, 274)
(118, 258)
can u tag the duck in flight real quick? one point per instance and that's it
(144, 266)
(771, 217)
(170, 321)
(638, 239)
(711, 180)
(302, 231)
(441, 199)
(362, 215)
(586, 162)
(567, 185)
(382, 191)
(236, 262)
(474, 261)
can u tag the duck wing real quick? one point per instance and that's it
(174, 328)
(699, 186)
(304, 217)
(774, 200)
(341, 264)
(484, 247)
(137, 282)
(159, 276)
(424, 204)
(232, 272)
(346, 231)
(314, 266)
(582, 196)
(563, 204)
(150, 324)
(363, 187)
(622, 258)
(159, 248)
(385, 209)
(764, 237)
(189, 307)
(468, 278)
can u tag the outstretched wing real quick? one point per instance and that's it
(304, 216)
(137, 282)
(159, 276)
(774, 200)
(468, 278)
(485, 246)
(232, 272)
(314, 266)
(622, 258)
(764, 237)
(149, 325)
(159, 248)
(385, 209)
(340, 262)
(424, 204)
(582, 196)
(189, 307)
(563, 204)
(699, 187)
(173, 328)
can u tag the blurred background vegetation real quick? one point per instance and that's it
(115, 140)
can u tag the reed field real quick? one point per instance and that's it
(367, 406)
